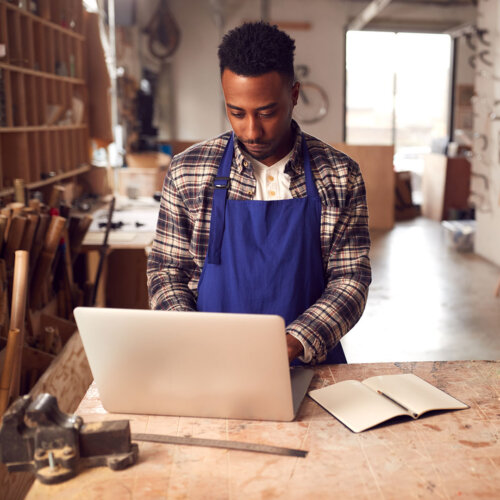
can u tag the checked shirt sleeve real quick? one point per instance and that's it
(170, 264)
(348, 274)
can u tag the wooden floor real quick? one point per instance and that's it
(427, 302)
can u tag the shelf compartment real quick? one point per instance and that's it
(15, 158)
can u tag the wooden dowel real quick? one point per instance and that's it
(3, 227)
(8, 368)
(43, 225)
(14, 238)
(46, 258)
(18, 310)
(29, 232)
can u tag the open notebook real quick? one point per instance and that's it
(361, 405)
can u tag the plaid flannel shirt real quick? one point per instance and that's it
(180, 245)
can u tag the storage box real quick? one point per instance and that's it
(460, 234)
(144, 175)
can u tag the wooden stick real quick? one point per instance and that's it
(46, 258)
(8, 368)
(29, 232)
(56, 195)
(36, 248)
(4, 299)
(3, 227)
(18, 310)
(19, 192)
(14, 238)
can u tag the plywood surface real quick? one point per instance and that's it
(444, 455)
(376, 164)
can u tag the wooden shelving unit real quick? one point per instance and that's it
(43, 92)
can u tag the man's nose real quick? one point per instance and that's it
(254, 129)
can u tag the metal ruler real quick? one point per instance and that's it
(220, 443)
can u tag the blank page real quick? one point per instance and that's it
(413, 393)
(355, 405)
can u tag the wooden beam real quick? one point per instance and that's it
(372, 10)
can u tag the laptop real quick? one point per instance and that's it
(194, 364)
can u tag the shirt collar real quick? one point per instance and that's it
(295, 163)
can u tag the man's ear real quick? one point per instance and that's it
(295, 93)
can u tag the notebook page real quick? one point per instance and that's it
(413, 393)
(355, 405)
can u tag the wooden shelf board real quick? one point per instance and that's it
(41, 20)
(42, 128)
(42, 74)
(51, 180)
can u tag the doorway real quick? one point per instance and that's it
(398, 93)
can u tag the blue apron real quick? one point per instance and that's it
(264, 257)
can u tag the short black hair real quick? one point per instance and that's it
(254, 49)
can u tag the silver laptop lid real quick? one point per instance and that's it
(188, 363)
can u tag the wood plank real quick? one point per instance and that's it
(15, 163)
(19, 99)
(29, 40)
(36, 157)
(433, 186)
(442, 455)
(49, 37)
(376, 164)
(9, 112)
(43, 18)
(40, 50)
(31, 101)
(41, 74)
(1, 174)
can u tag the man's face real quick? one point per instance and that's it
(259, 109)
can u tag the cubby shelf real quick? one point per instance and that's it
(43, 92)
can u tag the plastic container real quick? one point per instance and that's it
(460, 234)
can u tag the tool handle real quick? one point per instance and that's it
(8, 369)
(46, 258)
(18, 311)
(54, 234)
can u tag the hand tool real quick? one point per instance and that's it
(37, 435)
(18, 312)
(220, 443)
(8, 369)
(78, 228)
(43, 267)
(103, 251)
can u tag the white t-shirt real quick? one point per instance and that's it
(274, 184)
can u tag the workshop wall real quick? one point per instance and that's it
(198, 97)
(486, 159)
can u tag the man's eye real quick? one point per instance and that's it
(268, 115)
(237, 115)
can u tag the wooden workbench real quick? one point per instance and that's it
(444, 455)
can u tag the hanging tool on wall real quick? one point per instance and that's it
(163, 32)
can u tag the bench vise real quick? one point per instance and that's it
(37, 435)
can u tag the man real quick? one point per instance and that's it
(266, 219)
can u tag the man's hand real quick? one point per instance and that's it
(295, 348)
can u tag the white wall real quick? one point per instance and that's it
(488, 214)
(199, 100)
(199, 104)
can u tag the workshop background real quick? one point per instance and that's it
(96, 97)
